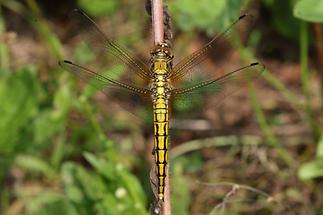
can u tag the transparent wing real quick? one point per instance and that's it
(97, 80)
(218, 84)
(186, 65)
(120, 76)
(191, 96)
(122, 96)
(106, 51)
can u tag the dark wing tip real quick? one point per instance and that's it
(67, 61)
(62, 62)
(263, 67)
(247, 16)
(254, 64)
(242, 16)
(76, 10)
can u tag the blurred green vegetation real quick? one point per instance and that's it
(52, 165)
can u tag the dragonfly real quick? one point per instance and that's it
(161, 83)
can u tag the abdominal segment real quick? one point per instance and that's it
(161, 145)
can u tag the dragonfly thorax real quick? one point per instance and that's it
(161, 58)
(161, 65)
(160, 87)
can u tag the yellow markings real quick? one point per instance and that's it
(161, 196)
(160, 90)
(161, 159)
(161, 110)
(161, 156)
(160, 67)
(160, 83)
(161, 128)
(161, 178)
(161, 103)
(161, 169)
(161, 189)
(161, 142)
(161, 87)
(160, 117)
(160, 78)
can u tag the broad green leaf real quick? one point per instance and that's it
(309, 10)
(311, 170)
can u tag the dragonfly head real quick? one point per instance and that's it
(162, 51)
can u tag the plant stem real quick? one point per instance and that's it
(305, 80)
(43, 29)
(4, 55)
(246, 55)
(319, 49)
(157, 21)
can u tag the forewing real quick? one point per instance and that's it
(97, 80)
(120, 76)
(105, 50)
(216, 47)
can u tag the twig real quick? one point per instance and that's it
(235, 188)
(157, 21)
(319, 49)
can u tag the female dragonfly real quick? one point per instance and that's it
(161, 83)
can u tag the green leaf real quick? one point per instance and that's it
(181, 194)
(309, 10)
(93, 191)
(51, 120)
(68, 174)
(99, 7)
(283, 20)
(208, 15)
(34, 164)
(61, 207)
(311, 170)
(19, 96)
(46, 126)
(124, 180)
